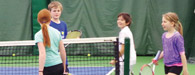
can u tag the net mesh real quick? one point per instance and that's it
(86, 56)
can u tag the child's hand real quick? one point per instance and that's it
(40, 73)
(112, 62)
(155, 61)
(65, 73)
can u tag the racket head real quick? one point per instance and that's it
(146, 69)
(74, 34)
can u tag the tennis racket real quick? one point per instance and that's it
(148, 69)
(73, 34)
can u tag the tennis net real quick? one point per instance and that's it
(86, 56)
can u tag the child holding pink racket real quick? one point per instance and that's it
(173, 45)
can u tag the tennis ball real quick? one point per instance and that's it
(69, 74)
(13, 54)
(88, 55)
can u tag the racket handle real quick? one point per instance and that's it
(157, 55)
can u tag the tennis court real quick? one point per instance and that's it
(87, 56)
(159, 69)
(27, 69)
(17, 65)
(95, 18)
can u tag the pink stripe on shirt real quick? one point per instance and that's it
(178, 64)
(182, 53)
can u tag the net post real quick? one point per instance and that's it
(117, 66)
(126, 56)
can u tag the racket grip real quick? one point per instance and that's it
(157, 55)
(154, 61)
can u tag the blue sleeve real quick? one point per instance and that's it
(65, 29)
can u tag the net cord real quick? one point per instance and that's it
(65, 41)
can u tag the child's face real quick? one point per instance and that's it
(56, 13)
(121, 22)
(166, 24)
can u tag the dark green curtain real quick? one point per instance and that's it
(37, 5)
(15, 19)
(92, 17)
(97, 18)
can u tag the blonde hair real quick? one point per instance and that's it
(44, 19)
(172, 17)
(55, 4)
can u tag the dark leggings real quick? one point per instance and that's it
(54, 70)
(173, 69)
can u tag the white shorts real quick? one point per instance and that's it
(122, 69)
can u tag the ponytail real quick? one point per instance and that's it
(46, 39)
(179, 28)
(44, 19)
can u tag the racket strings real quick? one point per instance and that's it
(146, 70)
(74, 34)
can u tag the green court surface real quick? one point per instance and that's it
(19, 61)
(159, 68)
(140, 61)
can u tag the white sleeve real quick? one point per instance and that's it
(122, 38)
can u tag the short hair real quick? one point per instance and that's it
(127, 18)
(55, 4)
